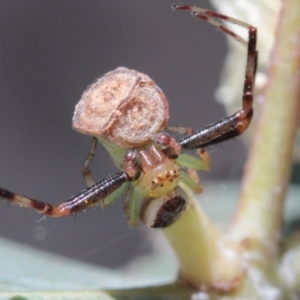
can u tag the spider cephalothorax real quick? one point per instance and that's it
(128, 113)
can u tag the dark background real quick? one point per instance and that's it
(50, 52)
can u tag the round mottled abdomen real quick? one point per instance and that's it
(124, 106)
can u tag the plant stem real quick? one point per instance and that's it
(259, 216)
(208, 260)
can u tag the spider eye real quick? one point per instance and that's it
(162, 212)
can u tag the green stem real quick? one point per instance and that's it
(259, 216)
(207, 258)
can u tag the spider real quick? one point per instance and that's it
(154, 169)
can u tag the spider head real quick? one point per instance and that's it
(160, 175)
(161, 200)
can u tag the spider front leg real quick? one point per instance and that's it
(191, 162)
(86, 171)
(173, 149)
(95, 194)
(237, 123)
(202, 153)
(132, 207)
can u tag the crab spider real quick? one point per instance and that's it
(151, 161)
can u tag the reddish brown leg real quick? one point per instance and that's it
(204, 155)
(87, 198)
(237, 123)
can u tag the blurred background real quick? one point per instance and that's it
(50, 52)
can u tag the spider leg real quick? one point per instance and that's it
(113, 197)
(188, 180)
(205, 157)
(87, 198)
(203, 154)
(132, 207)
(173, 149)
(237, 123)
(86, 171)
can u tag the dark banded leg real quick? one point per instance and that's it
(237, 123)
(86, 171)
(203, 154)
(87, 198)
